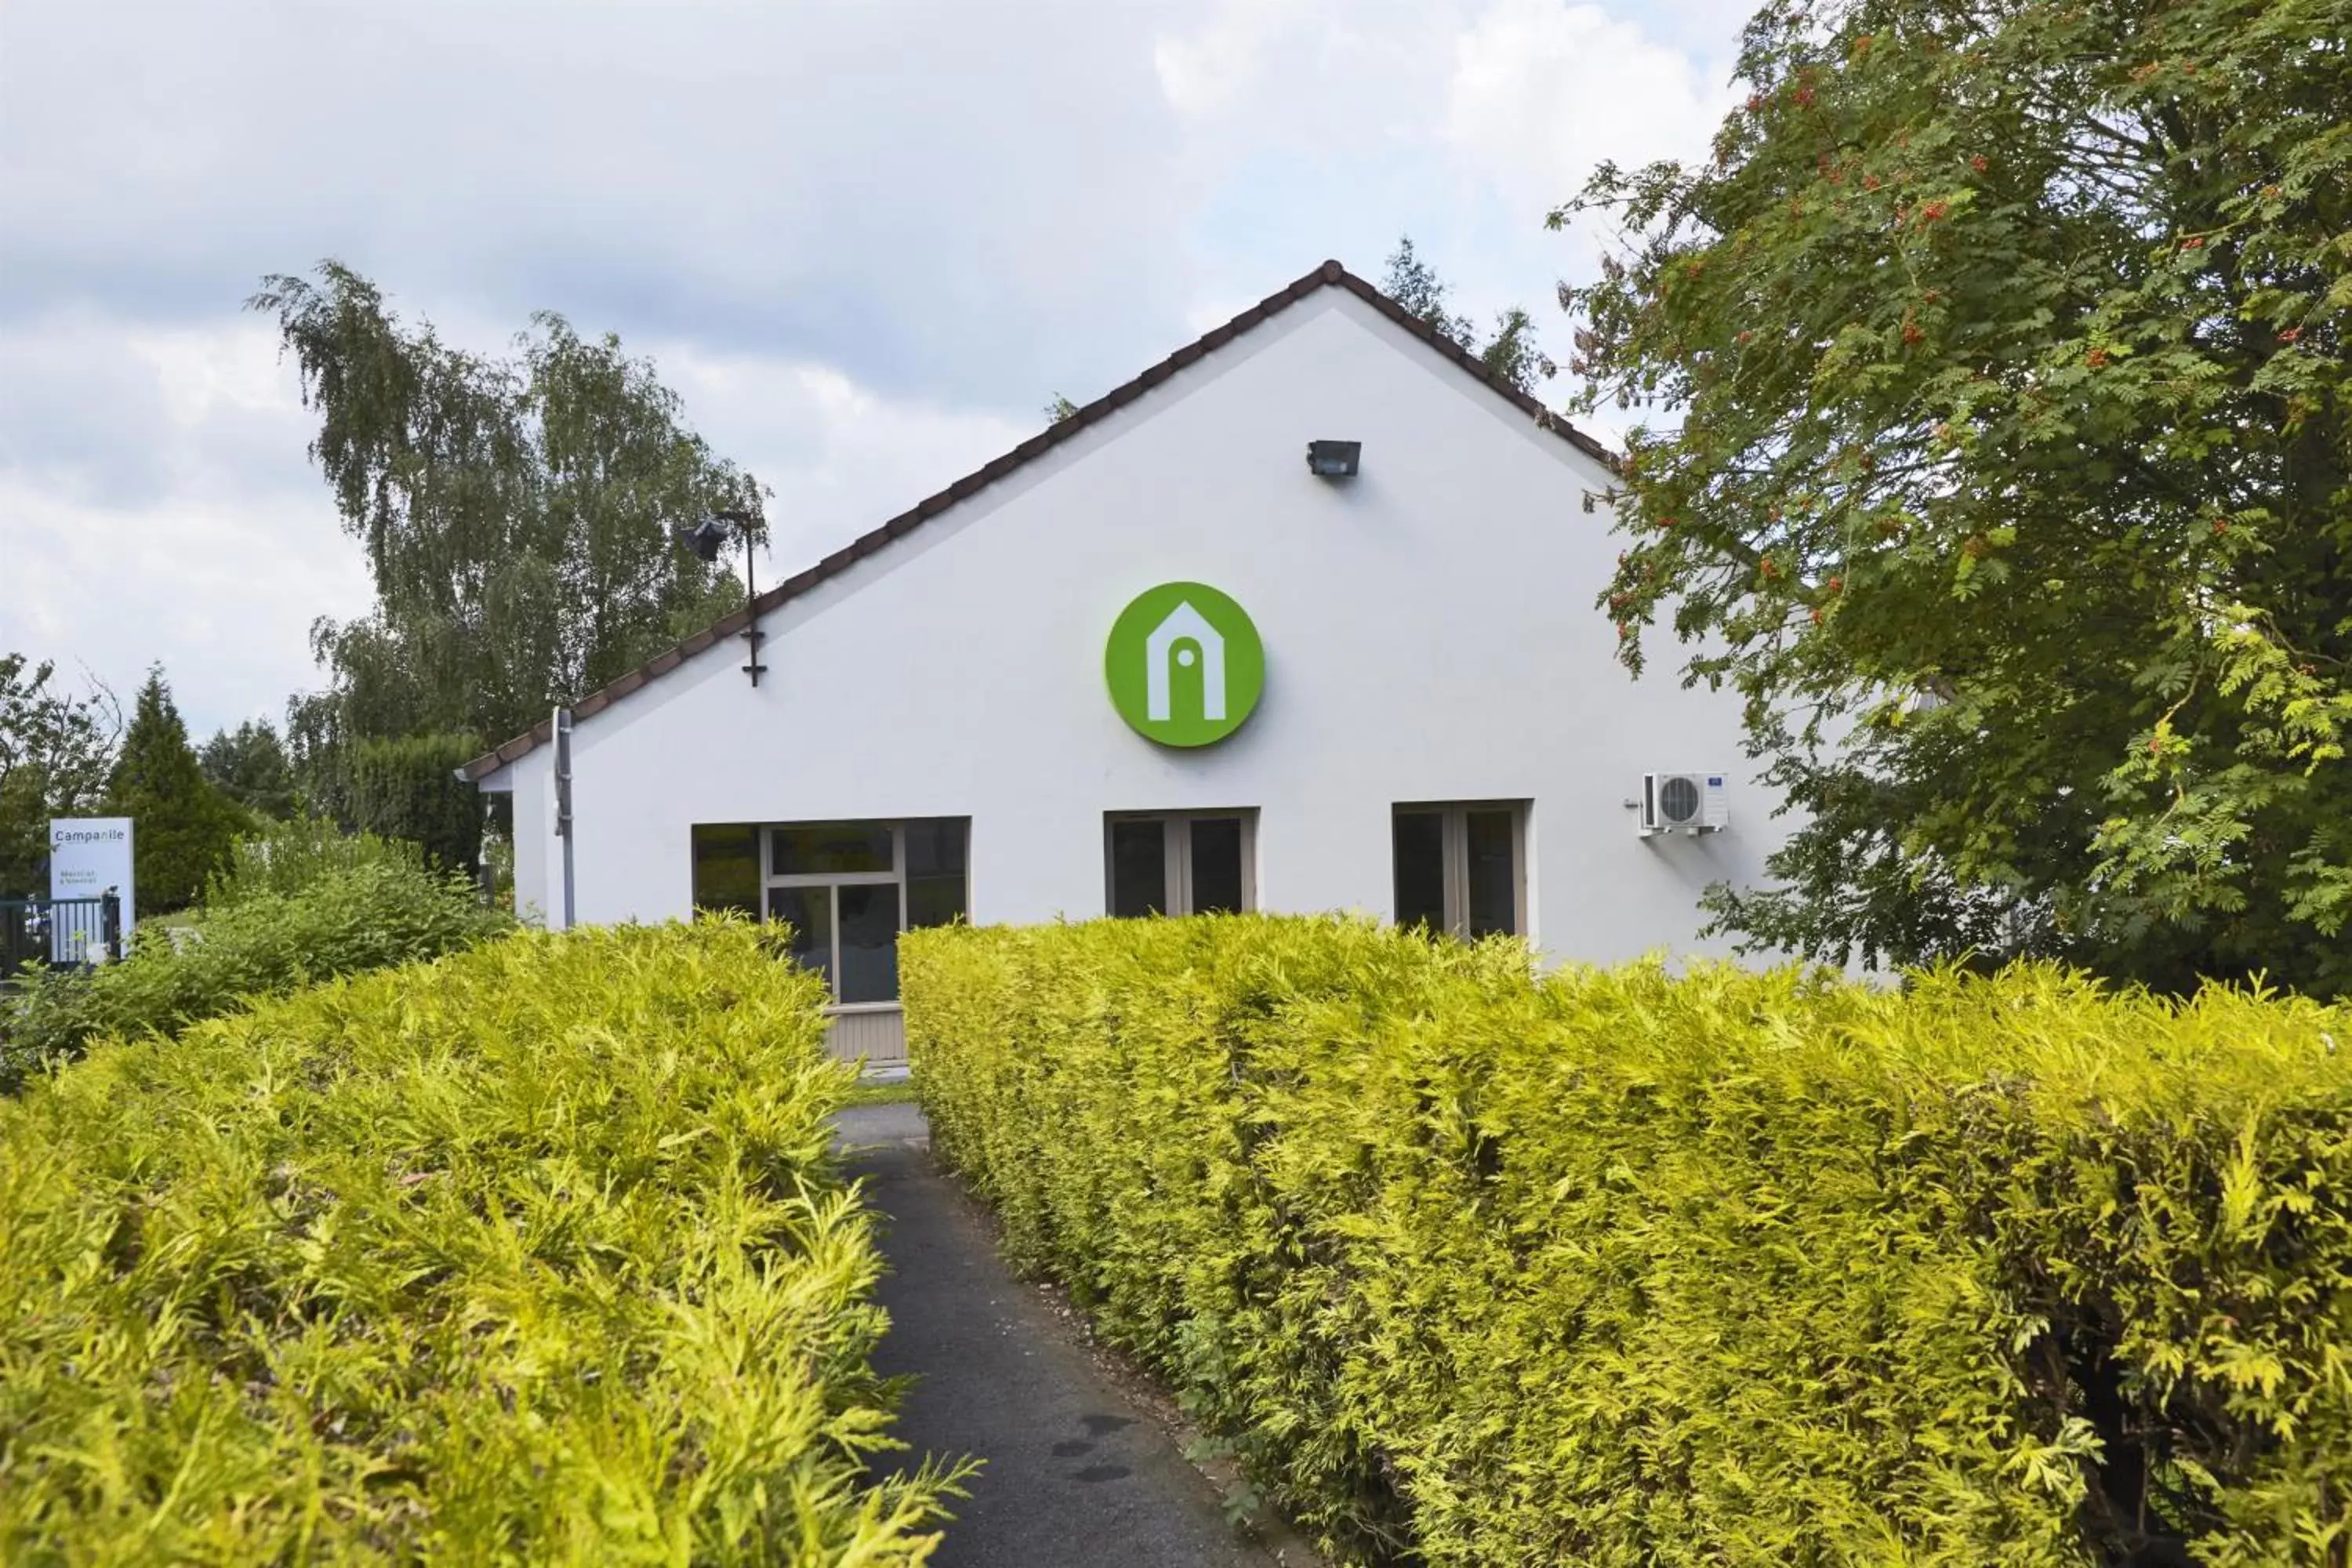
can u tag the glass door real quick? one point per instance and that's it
(849, 889)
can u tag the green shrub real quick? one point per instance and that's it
(1615, 1267)
(368, 917)
(407, 787)
(536, 1253)
(292, 855)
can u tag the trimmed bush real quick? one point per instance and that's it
(534, 1254)
(368, 917)
(407, 787)
(1614, 1268)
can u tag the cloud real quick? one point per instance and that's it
(222, 596)
(156, 506)
(1338, 126)
(1205, 73)
(123, 416)
(840, 458)
(934, 197)
(866, 242)
(216, 548)
(1544, 92)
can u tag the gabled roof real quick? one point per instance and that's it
(1331, 275)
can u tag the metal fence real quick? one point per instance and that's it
(59, 932)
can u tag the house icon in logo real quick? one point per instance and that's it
(1160, 653)
(1196, 629)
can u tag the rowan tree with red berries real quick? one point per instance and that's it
(1994, 382)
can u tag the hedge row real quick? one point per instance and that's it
(369, 915)
(407, 787)
(534, 1254)
(1615, 1267)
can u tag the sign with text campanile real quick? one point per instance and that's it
(89, 857)
(1184, 665)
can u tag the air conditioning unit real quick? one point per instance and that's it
(1685, 803)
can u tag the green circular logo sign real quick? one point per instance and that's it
(1184, 665)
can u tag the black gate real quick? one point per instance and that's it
(59, 932)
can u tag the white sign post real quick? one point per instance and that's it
(88, 856)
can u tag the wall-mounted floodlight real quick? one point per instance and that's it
(706, 538)
(1334, 459)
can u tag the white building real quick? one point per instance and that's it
(1385, 691)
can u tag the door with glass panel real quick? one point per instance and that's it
(1461, 869)
(849, 889)
(1179, 863)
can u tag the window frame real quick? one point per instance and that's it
(833, 881)
(1454, 859)
(1176, 849)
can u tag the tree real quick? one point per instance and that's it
(55, 753)
(2003, 463)
(183, 827)
(408, 789)
(517, 514)
(250, 766)
(1414, 284)
(1511, 353)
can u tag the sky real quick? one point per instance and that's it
(867, 241)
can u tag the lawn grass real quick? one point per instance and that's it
(899, 1092)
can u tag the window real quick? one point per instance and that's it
(1461, 869)
(1179, 863)
(847, 889)
(726, 866)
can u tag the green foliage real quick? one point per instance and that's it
(1612, 1268)
(516, 514)
(1414, 284)
(2003, 358)
(182, 826)
(497, 854)
(535, 1254)
(371, 916)
(294, 855)
(56, 751)
(1511, 353)
(408, 788)
(250, 766)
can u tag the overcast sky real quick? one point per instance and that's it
(866, 242)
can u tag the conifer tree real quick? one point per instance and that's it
(182, 826)
(249, 765)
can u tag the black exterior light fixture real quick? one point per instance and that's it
(1334, 459)
(707, 540)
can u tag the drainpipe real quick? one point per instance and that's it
(562, 733)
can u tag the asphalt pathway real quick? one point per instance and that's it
(1077, 1475)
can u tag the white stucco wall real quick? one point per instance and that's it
(1429, 630)
(538, 857)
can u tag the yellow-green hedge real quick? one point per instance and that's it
(1615, 1267)
(536, 1254)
